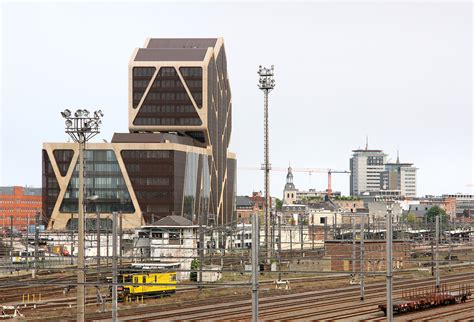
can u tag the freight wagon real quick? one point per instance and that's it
(421, 300)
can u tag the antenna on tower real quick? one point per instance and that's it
(398, 157)
(366, 142)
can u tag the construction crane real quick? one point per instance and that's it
(308, 170)
(330, 171)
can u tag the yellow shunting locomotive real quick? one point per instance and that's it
(150, 281)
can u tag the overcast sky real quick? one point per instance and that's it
(399, 73)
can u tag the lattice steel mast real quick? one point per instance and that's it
(266, 83)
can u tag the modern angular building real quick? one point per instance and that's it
(175, 158)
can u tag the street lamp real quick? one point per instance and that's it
(81, 128)
(266, 83)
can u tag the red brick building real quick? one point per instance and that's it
(339, 252)
(20, 203)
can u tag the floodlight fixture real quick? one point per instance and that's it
(66, 113)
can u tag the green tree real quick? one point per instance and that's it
(194, 268)
(436, 211)
(411, 218)
(279, 203)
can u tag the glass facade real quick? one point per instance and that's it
(193, 78)
(167, 102)
(50, 186)
(190, 186)
(104, 179)
(63, 159)
(141, 78)
(151, 174)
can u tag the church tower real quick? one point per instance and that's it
(289, 193)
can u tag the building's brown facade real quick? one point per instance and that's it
(175, 160)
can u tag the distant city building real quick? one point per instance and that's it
(464, 203)
(366, 167)
(292, 195)
(19, 203)
(174, 161)
(372, 175)
(399, 176)
(245, 207)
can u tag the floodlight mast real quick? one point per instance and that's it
(81, 128)
(266, 83)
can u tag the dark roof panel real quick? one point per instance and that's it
(362, 150)
(182, 42)
(243, 201)
(171, 54)
(173, 221)
(151, 138)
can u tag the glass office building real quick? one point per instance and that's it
(175, 158)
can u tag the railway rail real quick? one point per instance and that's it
(271, 307)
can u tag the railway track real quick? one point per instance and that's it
(302, 305)
(271, 307)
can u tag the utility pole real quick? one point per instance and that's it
(266, 83)
(353, 247)
(255, 266)
(81, 127)
(35, 264)
(81, 276)
(98, 242)
(114, 266)
(438, 283)
(27, 245)
(121, 237)
(432, 250)
(325, 230)
(301, 234)
(362, 257)
(449, 250)
(389, 264)
(107, 244)
(291, 237)
(279, 247)
(242, 237)
(11, 241)
(201, 253)
(72, 240)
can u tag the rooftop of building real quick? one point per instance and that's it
(399, 163)
(152, 138)
(368, 151)
(171, 54)
(175, 49)
(173, 221)
(243, 201)
(27, 191)
(181, 42)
